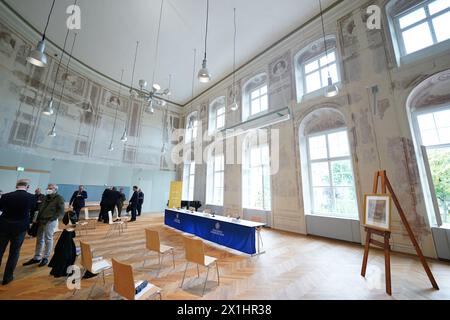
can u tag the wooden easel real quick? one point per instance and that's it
(385, 184)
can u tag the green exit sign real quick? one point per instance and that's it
(20, 169)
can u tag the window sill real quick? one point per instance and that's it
(429, 52)
(318, 93)
(331, 217)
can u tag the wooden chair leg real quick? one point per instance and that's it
(206, 280)
(184, 275)
(218, 277)
(198, 272)
(173, 258)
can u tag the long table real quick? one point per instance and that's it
(240, 235)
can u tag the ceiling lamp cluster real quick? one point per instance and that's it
(331, 90)
(37, 56)
(203, 75)
(155, 95)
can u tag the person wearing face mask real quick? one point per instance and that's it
(51, 209)
(16, 207)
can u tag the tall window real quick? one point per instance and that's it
(188, 181)
(422, 25)
(256, 177)
(191, 127)
(330, 175)
(214, 180)
(312, 67)
(316, 72)
(255, 98)
(258, 100)
(217, 115)
(435, 136)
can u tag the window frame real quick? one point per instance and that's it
(428, 18)
(319, 69)
(247, 170)
(250, 100)
(329, 159)
(190, 176)
(214, 171)
(213, 115)
(431, 192)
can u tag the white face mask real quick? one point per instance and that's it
(49, 191)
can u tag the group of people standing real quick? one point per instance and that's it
(113, 198)
(20, 209)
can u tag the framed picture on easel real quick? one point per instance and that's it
(377, 211)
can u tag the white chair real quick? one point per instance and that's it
(113, 226)
(91, 264)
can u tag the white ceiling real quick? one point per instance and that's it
(110, 29)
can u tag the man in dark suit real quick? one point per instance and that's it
(78, 201)
(109, 200)
(140, 201)
(120, 202)
(16, 207)
(134, 201)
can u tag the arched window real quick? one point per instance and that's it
(191, 127)
(429, 107)
(416, 25)
(188, 181)
(255, 99)
(216, 114)
(256, 193)
(312, 67)
(328, 183)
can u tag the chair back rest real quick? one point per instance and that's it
(86, 255)
(110, 220)
(123, 279)
(152, 240)
(195, 251)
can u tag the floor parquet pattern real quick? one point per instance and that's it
(293, 267)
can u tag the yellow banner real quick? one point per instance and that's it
(176, 188)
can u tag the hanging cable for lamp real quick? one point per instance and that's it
(111, 147)
(323, 33)
(52, 132)
(206, 28)
(157, 41)
(134, 66)
(234, 54)
(48, 19)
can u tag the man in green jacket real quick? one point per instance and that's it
(51, 209)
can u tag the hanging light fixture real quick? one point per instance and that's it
(124, 135)
(203, 75)
(48, 109)
(234, 106)
(111, 145)
(52, 132)
(331, 89)
(154, 96)
(37, 56)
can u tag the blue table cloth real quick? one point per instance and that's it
(236, 236)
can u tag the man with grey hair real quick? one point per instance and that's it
(51, 209)
(16, 207)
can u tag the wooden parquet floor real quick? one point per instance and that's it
(293, 267)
